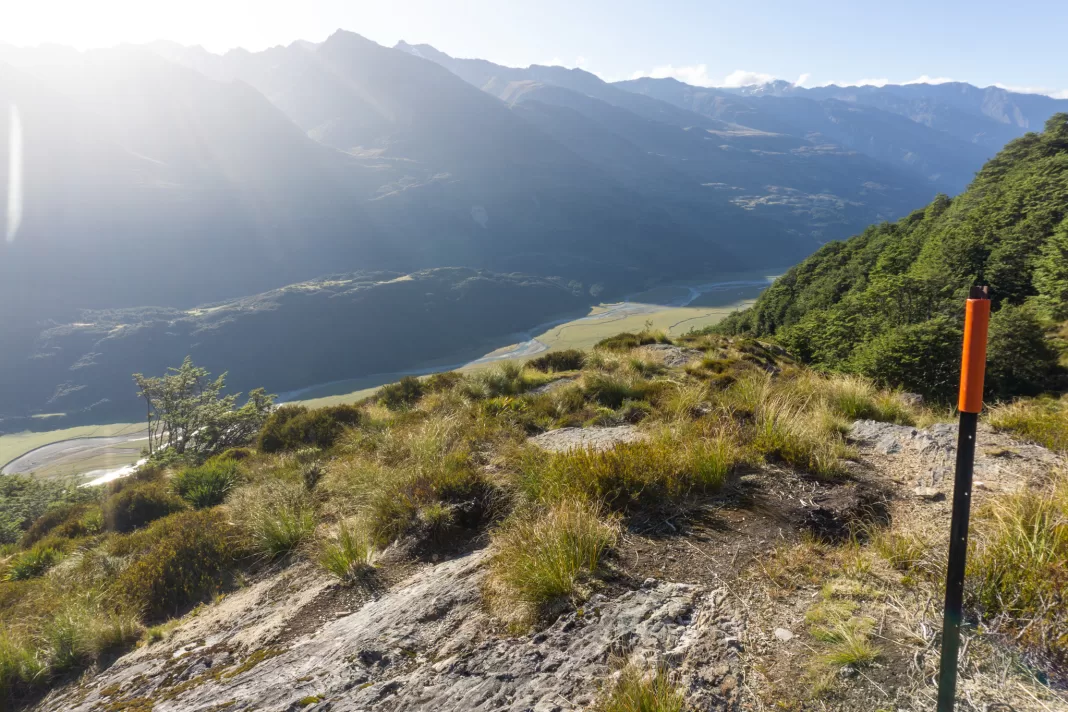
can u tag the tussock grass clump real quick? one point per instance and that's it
(208, 484)
(627, 341)
(1018, 569)
(84, 630)
(507, 379)
(138, 504)
(177, 560)
(32, 563)
(21, 668)
(612, 391)
(1043, 420)
(542, 557)
(631, 474)
(637, 691)
(554, 361)
(348, 557)
(847, 637)
(277, 516)
(904, 551)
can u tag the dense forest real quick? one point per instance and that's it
(888, 303)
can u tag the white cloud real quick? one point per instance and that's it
(742, 78)
(802, 80)
(1055, 93)
(924, 79)
(696, 74)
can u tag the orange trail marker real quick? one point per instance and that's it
(973, 368)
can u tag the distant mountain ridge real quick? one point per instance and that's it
(161, 177)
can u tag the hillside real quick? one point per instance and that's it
(301, 335)
(702, 525)
(886, 303)
(819, 189)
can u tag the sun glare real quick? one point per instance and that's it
(14, 174)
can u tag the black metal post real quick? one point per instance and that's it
(958, 551)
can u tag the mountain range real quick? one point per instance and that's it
(161, 177)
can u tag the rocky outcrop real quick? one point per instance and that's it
(565, 439)
(429, 646)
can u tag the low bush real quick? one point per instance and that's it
(566, 360)
(292, 427)
(208, 484)
(276, 515)
(68, 521)
(439, 382)
(235, 453)
(348, 557)
(636, 691)
(176, 561)
(138, 504)
(542, 557)
(402, 394)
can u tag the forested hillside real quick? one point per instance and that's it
(887, 303)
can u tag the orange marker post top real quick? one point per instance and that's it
(973, 365)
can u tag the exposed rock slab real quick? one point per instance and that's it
(669, 355)
(566, 439)
(1001, 462)
(429, 646)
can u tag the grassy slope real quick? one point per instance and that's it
(442, 471)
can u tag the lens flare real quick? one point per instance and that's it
(14, 174)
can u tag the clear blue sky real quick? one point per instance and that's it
(1019, 44)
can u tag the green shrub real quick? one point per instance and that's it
(207, 485)
(177, 560)
(542, 557)
(1020, 361)
(292, 427)
(23, 499)
(416, 500)
(137, 505)
(442, 381)
(639, 692)
(276, 515)
(567, 360)
(402, 394)
(32, 563)
(66, 520)
(235, 453)
(348, 557)
(921, 357)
